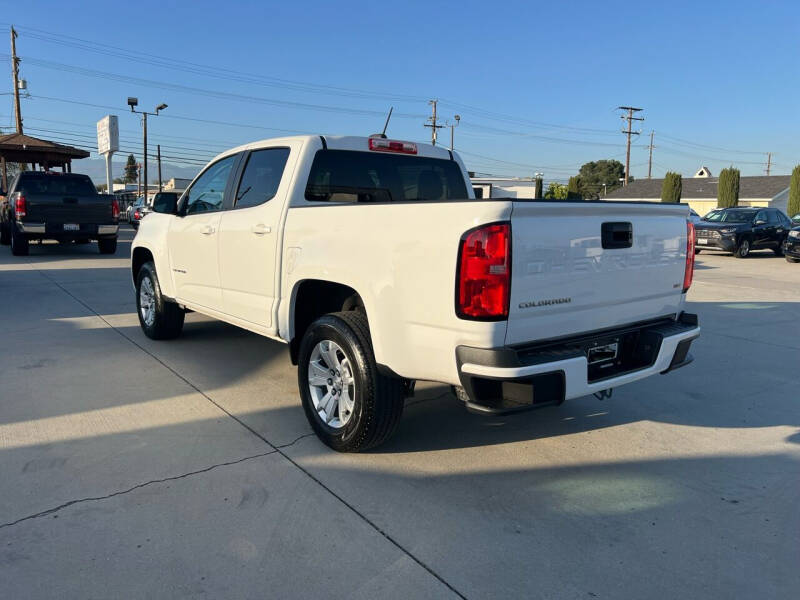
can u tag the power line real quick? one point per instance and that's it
(208, 70)
(175, 87)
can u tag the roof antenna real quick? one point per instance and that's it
(382, 134)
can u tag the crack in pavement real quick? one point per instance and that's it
(55, 509)
(275, 449)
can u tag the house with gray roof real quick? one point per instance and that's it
(701, 192)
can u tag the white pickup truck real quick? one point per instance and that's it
(373, 260)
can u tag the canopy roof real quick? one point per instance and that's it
(18, 147)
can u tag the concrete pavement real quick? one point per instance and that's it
(134, 468)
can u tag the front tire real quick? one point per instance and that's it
(697, 250)
(792, 260)
(350, 405)
(159, 318)
(19, 243)
(742, 249)
(107, 245)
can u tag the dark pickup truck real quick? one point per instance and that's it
(57, 206)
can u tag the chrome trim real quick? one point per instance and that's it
(107, 229)
(30, 227)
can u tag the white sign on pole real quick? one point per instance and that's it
(108, 143)
(108, 134)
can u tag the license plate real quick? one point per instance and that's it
(702, 241)
(71, 227)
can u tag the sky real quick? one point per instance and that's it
(537, 85)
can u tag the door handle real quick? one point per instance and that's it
(261, 229)
(207, 230)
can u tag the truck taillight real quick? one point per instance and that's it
(384, 145)
(689, 272)
(484, 273)
(114, 209)
(20, 206)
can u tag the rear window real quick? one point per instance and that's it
(57, 185)
(350, 176)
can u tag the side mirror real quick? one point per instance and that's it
(760, 222)
(166, 203)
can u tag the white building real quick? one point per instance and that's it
(503, 187)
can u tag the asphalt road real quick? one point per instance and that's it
(139, 469)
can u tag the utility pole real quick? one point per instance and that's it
(434, 127)
(138, 179)
(650, 162)
(629, 132)
(769, 162)
(15, 77)
(158, 155)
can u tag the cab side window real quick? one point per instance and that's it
(261, 177)
(761, 216)
(208, 192)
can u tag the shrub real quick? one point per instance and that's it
(671, 188)
(728, 188)
(793, 207)
(573, 188)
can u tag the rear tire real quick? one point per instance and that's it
(697, 250)
(742, 249)
(19, 243)
(5, 235)
(159, 318)
(368, 404)
(107, 245)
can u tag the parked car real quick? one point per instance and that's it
(796, 219)
(138, 203)
(372, 259)
(60, 206)
(791, 247)
(743, 229)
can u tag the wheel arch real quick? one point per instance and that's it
(139, 257)
(313, 298)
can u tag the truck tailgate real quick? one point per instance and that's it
(45, 208)
(569, 276)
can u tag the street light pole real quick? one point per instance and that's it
(452, 131)
(144, 152)
(133, 103)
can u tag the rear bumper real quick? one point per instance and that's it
(502, 380)
(57, 232)
(728, 244)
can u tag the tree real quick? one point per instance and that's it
(131, 170)
(574, 188)
(593, 176)
(672, 187)
(537, 191)
(728, 188)
(119, 180)
(101, 187)
(793, 207)
(556, 191)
